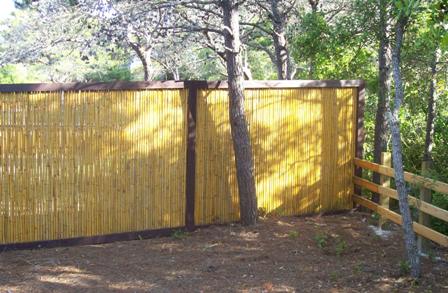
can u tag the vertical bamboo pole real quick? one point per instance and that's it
(384, 181)
(424, 219)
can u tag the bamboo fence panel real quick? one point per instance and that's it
(76, 164)
(303, 142)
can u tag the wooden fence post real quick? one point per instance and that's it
(360, 133)
(423, 218)
(190, 187)
(386, 160)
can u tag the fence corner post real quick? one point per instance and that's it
(386, 160)
(191, 155)
(360, 133)
(423, 218)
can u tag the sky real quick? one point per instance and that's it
(6, 7)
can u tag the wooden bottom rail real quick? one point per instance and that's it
(396, 218)
(386, 191)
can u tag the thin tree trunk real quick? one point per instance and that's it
(238, 124)
(314, 5)
(247, 73)
(431, 115)
(394, 124)
(384, 72)
(142, 58)
(282, 57)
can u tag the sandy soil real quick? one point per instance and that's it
(337, 253)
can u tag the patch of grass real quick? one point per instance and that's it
(293, 234)
(321, 240)
(341, 246)
(334, 276)
(405, 268)
(179, 234)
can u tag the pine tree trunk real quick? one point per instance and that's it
(282, 57)
(384, 56)
(397, 156)
(238, 123)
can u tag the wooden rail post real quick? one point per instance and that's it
(423, 218)
(386, 160)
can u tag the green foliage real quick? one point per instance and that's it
(441, 201)
(341, 246)
(179, 234)
(321, 240)
(404, 267)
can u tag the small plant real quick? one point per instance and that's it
(431, 255)
(334, 276)
(375, 216)
(179, 234)
(341, 246)
(321, 240)
(262, 213)
(405, 268)
(357, 269)
(293, 234)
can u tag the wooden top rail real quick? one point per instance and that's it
(171, 84)
(409, 177)
(396, 218)
(421, 205)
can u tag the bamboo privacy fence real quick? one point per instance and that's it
(92, 160)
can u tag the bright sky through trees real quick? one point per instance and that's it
(6, 7)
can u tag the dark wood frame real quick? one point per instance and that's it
(192, 87)
(143, 85)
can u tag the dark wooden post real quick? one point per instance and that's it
(191, 154)
(360, 134)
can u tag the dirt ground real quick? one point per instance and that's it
(337, 253)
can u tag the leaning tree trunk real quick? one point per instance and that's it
(142, 58)
(238, 124)
(384, 56)
(397, 156)
(431, 115)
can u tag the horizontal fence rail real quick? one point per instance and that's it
(142, 85)
(392, 193)
(429, 183)
(116, 160)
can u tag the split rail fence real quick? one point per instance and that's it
(386, 192)
(86, 163)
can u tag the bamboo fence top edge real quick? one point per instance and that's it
(142, 85)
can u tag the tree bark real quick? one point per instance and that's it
(397, 156)
(282, 56)
(384, 76)
(238, 123)
(142, 58)
(314, 6)
(431, 115)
